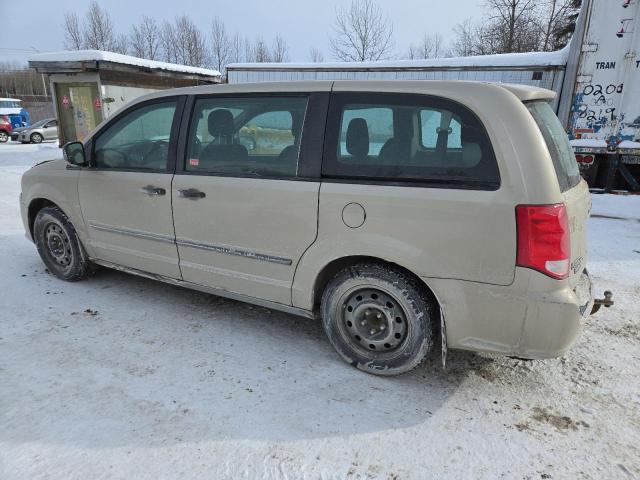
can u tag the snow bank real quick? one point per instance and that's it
(541, 59)
(102, 56)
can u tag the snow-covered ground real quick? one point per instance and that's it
(123, 377)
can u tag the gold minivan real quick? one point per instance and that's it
(397, 212)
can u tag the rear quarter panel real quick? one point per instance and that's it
(436, 232)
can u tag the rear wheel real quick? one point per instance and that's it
(58, 245)
(36, 138)
(378, 318)
(3, 136)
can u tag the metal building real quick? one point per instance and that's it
(544, 69)
(89, 85)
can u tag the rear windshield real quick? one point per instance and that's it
(558, 144)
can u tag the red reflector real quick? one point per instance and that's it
(543, 239)
(587, 159)
(579, 158)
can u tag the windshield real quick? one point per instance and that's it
(40, 123)
(557, 141)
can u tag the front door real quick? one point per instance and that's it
(50, 130)
(126, 194)
(242, 213)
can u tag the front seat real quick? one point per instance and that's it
(358, 141)
(221, 150)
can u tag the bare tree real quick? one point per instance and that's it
(280, 50)
(121, 44)
(431, 46)
(221, 45)
(248, 50)
(168, 43)
(191, 46)
(512, 22)
(465, 41)
(145, 39)
(557, 21)
(237, 50)
(316, 55)
(258, 52)
(361, 32)
(72, 32)
(98, 29)
(182, 42)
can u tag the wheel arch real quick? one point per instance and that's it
(333, 267)
(35, 206)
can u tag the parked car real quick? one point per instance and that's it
(46, 129)
(5, 128)
(15, 135)
(397, 212)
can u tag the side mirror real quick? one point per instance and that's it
(74, 154)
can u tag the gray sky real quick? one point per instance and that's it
(303, 24)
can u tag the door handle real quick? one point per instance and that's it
(153, 191)
(191, 193)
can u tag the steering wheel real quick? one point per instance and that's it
(157, 154)
(110, 157)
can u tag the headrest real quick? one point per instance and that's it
(358, 138)
(402, 124)
(221, 123)
(471, 138)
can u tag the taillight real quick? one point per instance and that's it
(543, 239)
(584, 159)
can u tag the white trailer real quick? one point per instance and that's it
(604, 99)
(597, 78)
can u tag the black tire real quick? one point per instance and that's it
(378, 295)
(3, 136)
(59, 247)
(36, 138)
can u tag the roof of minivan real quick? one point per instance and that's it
(523, 92)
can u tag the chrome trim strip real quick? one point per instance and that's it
(134, 233)
(234, 251)
(213, 291)
(188, 243)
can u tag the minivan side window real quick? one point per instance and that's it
(557, 140)
(137, 141)
(408, 138)
(246, 136)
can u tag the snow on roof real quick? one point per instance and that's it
(629, 144)
(102, 56)
(588, 143)
(2, 99)
(557, 58)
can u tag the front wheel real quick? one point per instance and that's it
(58, 245)
(36, 138)
(3, 137)
(378, 318)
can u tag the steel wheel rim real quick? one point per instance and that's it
(373, 320)
(58, 245)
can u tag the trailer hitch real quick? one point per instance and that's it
(607, 301)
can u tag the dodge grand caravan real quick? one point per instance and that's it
(395, 212)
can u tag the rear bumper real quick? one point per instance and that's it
(534, 317)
